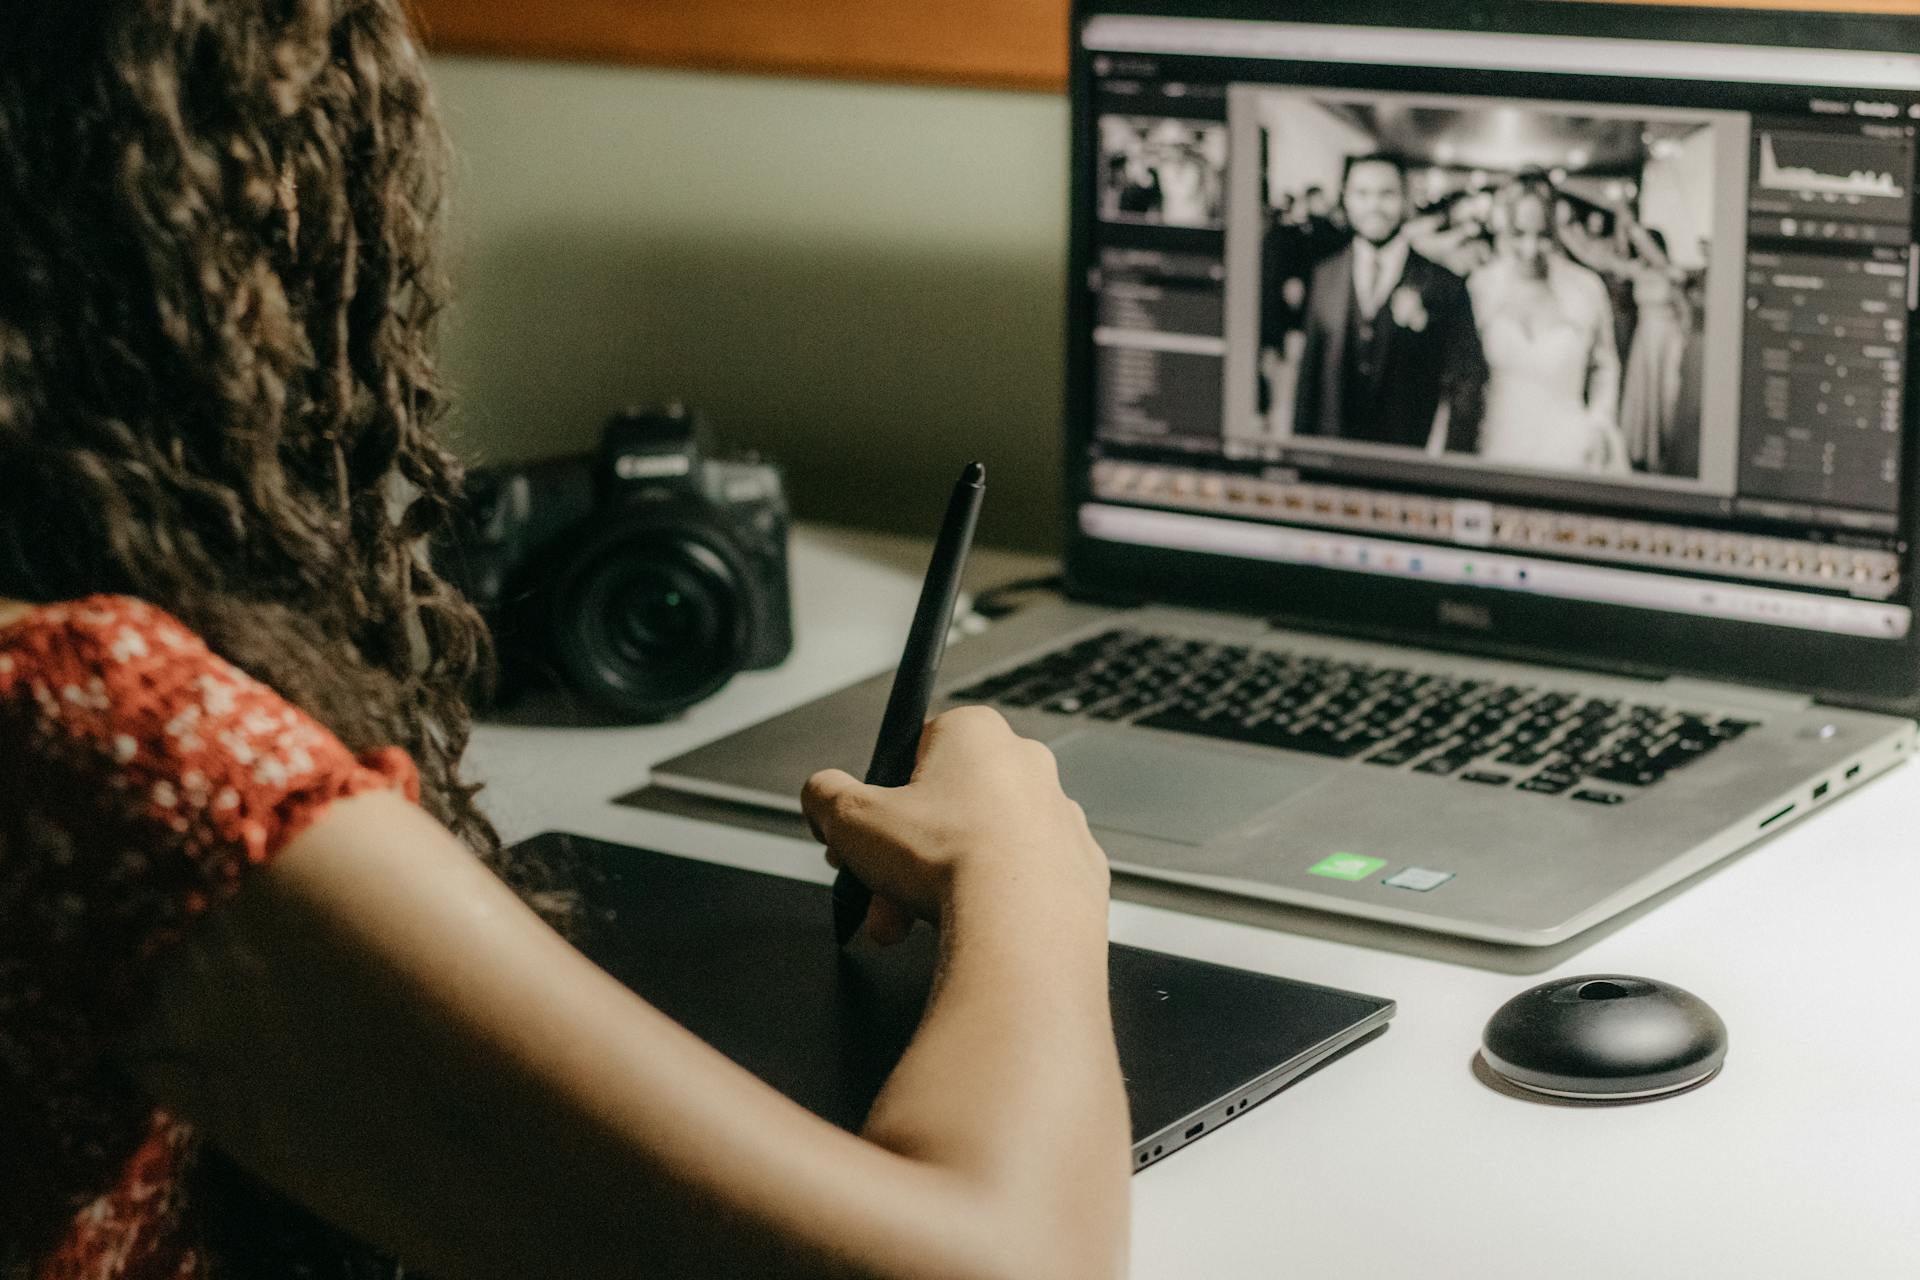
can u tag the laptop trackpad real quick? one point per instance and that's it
(1146, 785)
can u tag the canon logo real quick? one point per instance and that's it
(651, 466)
(1471, 617)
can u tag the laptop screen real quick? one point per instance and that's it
(1624, 321)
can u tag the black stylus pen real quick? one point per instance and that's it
(898, 746)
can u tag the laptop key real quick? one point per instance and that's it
(1487, 779)
(1319, 743)
(1630, 775)
(1608, 798)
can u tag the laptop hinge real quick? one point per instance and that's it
(1683, 688)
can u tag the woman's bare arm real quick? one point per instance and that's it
(1647, 247)
(379, 1027)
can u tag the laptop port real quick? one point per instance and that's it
(1195, 1131)
(1776, 817)
(1854, 772)
(1820, 792)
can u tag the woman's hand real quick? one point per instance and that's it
(1607, 449)
(983, 817)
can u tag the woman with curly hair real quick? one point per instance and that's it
(273, 999)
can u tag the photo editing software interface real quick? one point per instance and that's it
(1626, 321)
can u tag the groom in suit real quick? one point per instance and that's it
(1392, 354)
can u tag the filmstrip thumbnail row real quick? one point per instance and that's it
(1482, 524)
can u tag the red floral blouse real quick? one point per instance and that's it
(140, 778)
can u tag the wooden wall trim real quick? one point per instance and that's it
(1003, 44)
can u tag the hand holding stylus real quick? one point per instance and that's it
(984, 824)
(898, 745)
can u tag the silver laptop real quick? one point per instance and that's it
(1490, 454)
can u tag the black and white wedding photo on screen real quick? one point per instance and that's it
(1519, 285)
(1164, 172)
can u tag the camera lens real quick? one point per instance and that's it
(649, 623)
(657, 617)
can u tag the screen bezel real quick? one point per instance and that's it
(1874, 674)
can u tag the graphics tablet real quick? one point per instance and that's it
(748, 963)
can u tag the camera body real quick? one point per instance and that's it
(641, 579)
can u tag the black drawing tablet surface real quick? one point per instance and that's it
(747, 962)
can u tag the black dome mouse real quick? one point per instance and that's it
(1605, 1038)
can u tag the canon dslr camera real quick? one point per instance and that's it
(641, 580)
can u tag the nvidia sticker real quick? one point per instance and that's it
(1348, 866)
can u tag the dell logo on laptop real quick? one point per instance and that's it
(1471, 617)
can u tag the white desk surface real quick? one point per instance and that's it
(1801, 1160)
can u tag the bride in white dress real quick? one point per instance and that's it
(1546, 324)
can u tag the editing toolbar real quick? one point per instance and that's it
(1453, 566)
(1472, 523)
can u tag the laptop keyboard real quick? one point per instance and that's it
(1543, 741)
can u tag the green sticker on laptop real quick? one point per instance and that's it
(1348, 866)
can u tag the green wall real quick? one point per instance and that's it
(866, 283)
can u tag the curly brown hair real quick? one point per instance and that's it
(218, 294)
